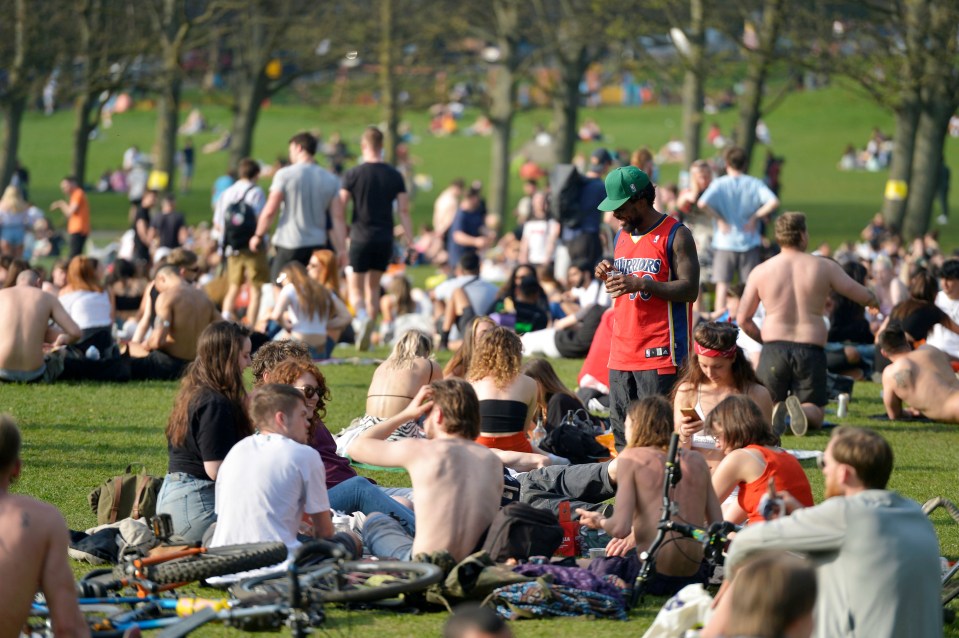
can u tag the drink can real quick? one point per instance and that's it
(597, 552)
(843, 409)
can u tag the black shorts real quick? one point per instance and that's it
(77, 242)
(798, 368)
(628, 386)
(283, 256)
(370, 255)
(157, 366)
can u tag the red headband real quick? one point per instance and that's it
(709, 352)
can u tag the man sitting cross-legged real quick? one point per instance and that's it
(639, 492)
(270, 479)
(923, 378)
(458, 483)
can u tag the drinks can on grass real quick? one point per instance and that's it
(843, 409)
(597, 552)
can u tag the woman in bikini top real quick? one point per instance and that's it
(397, 380)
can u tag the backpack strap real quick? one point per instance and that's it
(115, 506)
(142, 482)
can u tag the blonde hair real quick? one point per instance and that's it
(498, 356)
(413, 345)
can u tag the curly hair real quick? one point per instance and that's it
(215, 369)
(272, 353)
(459, 363)
(292, 369)
(498, 356)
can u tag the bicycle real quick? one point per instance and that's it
(715, 538)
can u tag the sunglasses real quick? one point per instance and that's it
(309, 391)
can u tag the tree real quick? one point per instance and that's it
(32, 37)
(106, 43)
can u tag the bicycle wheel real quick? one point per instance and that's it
(216, 561)
(351, 582)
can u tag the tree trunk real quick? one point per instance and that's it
(900, 164)
(391, 112)
(249, 98)
(926, 162)
(503, 95)
(756, 71)
(83, 107)
(12, 112)
(168, 117)
(693, 85)
(566, 106)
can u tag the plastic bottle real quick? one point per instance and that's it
(92, 353)
(539, 433)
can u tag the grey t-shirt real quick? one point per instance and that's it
(307, 191)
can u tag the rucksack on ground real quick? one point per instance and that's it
(126, 496)
(240, 223)
(520, 530)
(566, 185)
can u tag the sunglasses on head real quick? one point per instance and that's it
(309, 391)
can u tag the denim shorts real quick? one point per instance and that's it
(190, 503)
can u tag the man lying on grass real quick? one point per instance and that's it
(923, 378)
(458, 483)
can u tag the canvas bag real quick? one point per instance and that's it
(520, 531)
(126, 496)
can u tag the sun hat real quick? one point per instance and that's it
(621, 184)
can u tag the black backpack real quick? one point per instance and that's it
(240, 223)
(566, 185)
(520, 531)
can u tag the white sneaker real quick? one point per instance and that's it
(797, 418)
(364, 334)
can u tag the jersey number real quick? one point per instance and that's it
(644, 295)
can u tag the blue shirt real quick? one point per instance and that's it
(470, 223)
(592, 192)
(736, 199)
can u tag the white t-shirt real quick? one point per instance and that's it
(307, 192)
(299, 322)
(943, 338)
(242, 189)
(264, 486)
(89, 309)
(536, 233)
(594, 293)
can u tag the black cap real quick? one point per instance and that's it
(600, 159)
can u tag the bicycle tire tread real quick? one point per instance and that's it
(218, 561)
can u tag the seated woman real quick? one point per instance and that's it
(554, 400)
(323, 268)
(404, 308)
(719, 369)
(307, 309)
(395, 382)
(348, 492)
(753, 459)
(209, 417)
(507, 398)
(459, 363)
(88, 304)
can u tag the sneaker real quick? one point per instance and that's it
(780, 416)
(595, 407)
(797, 418)
(364, 334)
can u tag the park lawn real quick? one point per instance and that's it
(809, 129)
(78, 434)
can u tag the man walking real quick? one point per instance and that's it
(77, 211)
(740, 205)
(373, 186)
(793, 288)
(653, 281)
(303, 194)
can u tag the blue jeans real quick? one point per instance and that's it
(190, 503)
(385, 538)
(359, 495)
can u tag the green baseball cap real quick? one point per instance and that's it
(621, 184)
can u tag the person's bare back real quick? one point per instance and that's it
(33, 557)
(188, 311)
(392, 387)
(925, 380)
(458, 486)
(24, 314)
(645, 467)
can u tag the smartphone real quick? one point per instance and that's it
(690, 413)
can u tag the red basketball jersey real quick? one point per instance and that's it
(649, 333)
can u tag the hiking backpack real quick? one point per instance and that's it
(566, 185)
(240, 223)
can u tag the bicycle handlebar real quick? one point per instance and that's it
(714, 538)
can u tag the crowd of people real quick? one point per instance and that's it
(732, 368)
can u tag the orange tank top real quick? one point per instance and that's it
(787, 474)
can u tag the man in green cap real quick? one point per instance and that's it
(653, 281)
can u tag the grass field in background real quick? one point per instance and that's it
(76, 435)
(809, 129)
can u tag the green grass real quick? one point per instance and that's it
(810, 129)
(78, 434)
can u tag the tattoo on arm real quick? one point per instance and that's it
(903, 378)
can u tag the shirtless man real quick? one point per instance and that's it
(640, 475)
(458, 483)
(25, 312)
(793, 288)
(182, 312)
(33, 552)
(923, 378)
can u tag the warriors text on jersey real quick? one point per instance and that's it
(649, 333)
